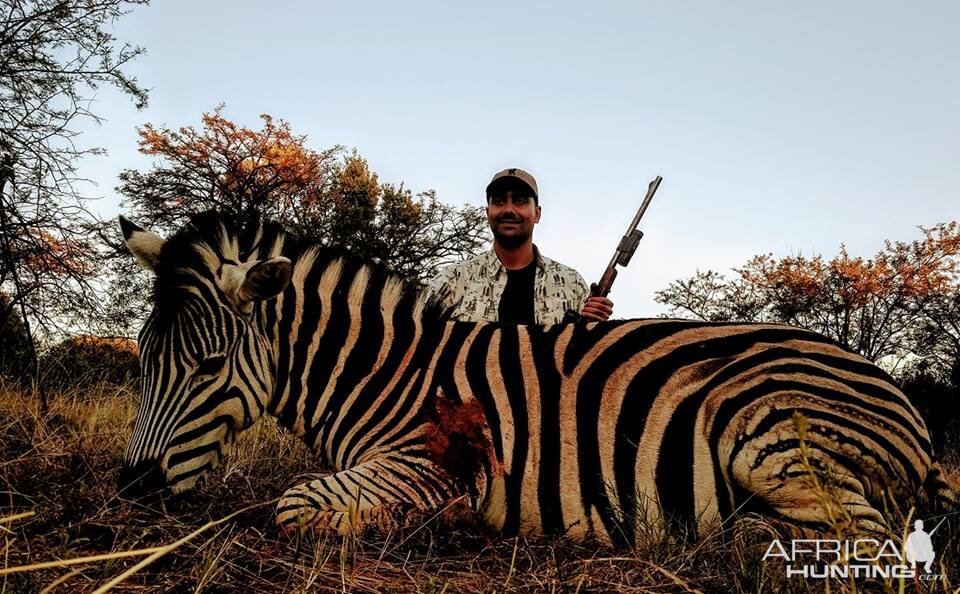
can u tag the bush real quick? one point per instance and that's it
(86, 360)
(936, 397)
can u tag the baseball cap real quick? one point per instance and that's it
(511, 174)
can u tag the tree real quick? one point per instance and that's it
(939, 334)
(54, 55)
(709, 296)
(14, 348)
(880, 307)
(328, 196)
(240, 172)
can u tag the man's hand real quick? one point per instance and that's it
(598, 309)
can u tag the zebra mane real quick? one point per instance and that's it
(210, 239)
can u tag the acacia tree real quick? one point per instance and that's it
(882, 307)
(241, 172)
(939, 334)
(54, 55)
(709, 296)
(328, 196)
(938, 337)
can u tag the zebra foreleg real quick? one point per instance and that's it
(382, 493)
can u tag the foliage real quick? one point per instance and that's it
(82, 361)
(938, 336)
(325, 196)
(901, 303)
(54, 56)
(244, 173)
(328, 196)
(936, 397)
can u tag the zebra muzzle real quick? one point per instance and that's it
(144, 480)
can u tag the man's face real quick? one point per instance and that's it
(512, 215)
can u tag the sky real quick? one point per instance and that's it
(778, 127)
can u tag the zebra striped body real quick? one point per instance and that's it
(595, 429)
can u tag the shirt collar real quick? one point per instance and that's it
(492, 266)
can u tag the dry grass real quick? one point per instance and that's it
(59, 515)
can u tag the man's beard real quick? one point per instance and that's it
(510, 241)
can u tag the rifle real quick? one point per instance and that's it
(625, 250)
(938, 525)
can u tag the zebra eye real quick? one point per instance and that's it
(211, 365)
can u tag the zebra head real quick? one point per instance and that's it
(206, 365)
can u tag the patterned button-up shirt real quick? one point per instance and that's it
(473, 288)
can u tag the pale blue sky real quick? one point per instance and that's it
(778, 127)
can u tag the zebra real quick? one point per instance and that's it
(591, 430)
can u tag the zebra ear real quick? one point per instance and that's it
(265, 279)
(145, 245)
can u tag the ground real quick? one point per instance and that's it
(58, 505)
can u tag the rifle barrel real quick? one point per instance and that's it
(651, 190)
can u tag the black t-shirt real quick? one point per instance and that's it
(516, 303)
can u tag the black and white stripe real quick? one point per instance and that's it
(595, 429)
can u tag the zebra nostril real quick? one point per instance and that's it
(142, 480)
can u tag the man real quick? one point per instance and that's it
(513, 283)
